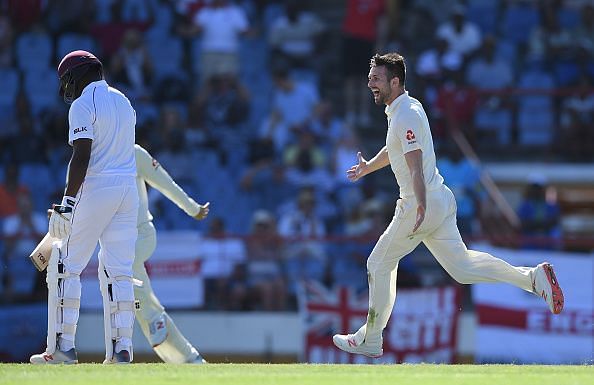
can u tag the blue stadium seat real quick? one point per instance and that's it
(518, 22)
(535, 127)
(568, 18)
(40, 182)
(33, 51)
(167, 56)
(69, 42)
(483, 14)
(498, 121)
(566, 72)
(9, 84)
(41, 87)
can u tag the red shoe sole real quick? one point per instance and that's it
(558, 299)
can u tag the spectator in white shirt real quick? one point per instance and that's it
(463, 36)
(221, 25)
(294, 34)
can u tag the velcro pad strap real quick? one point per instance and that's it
(121, 306)
(68, 328)
(71, 303)
(121, 332)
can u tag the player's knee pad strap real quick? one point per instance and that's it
(57, 300)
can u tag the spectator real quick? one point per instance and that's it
(11, 190)
(306, 163)
(6, 41)
(540, 218)
(223, 258)
(69, 16)
(295, 101)
(224, 102)
(21, 231)
(455, 106)
(432, 66)
(463, 36)
(131, 66)
(264, 266)
(303, 222)
(221, 25)
(583, 34)
(464, 179)
(489, 72)
(577, 113)
(549, 39)
(25, 13)
(327, 126)
(364, 28)
(26, 146)
(294, 34)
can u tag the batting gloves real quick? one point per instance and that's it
(59, 223)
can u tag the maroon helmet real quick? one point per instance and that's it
(72, 68)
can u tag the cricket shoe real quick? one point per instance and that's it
(158, 330)
(68, 357)
(545, 284)
(121, 357)
(347, 343)
(198, 360)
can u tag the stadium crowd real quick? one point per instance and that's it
(260, 106)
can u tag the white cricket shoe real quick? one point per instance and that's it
(545, 284)
(68, 357)
(158, 330)
(348, 343)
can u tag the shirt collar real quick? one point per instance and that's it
(98, 83)
(391, 108)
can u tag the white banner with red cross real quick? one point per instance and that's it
(422, 327)
(517, 326)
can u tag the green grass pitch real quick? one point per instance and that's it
(297, 374)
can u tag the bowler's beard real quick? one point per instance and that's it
(382, 97)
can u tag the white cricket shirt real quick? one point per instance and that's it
(151, 172)
(408, 130)
(106, 116)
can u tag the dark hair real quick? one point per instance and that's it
(394, 63)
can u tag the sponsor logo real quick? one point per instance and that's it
(79, 130)
(410, 136)
(156, 164)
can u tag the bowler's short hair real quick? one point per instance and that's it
(394, 63)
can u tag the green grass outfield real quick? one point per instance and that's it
(297, 374)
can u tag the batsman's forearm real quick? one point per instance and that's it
(379, 161)
(419, 187)
(77, 170)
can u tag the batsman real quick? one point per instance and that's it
(100, 204)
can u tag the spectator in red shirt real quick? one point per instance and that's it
(10, 191)
(363, 26)
(455, 105)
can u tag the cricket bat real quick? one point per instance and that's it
(41, 255)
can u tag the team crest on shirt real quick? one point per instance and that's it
(410, 136)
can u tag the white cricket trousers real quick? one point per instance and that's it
(175, 349)
(440, 234)
(106, 211)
